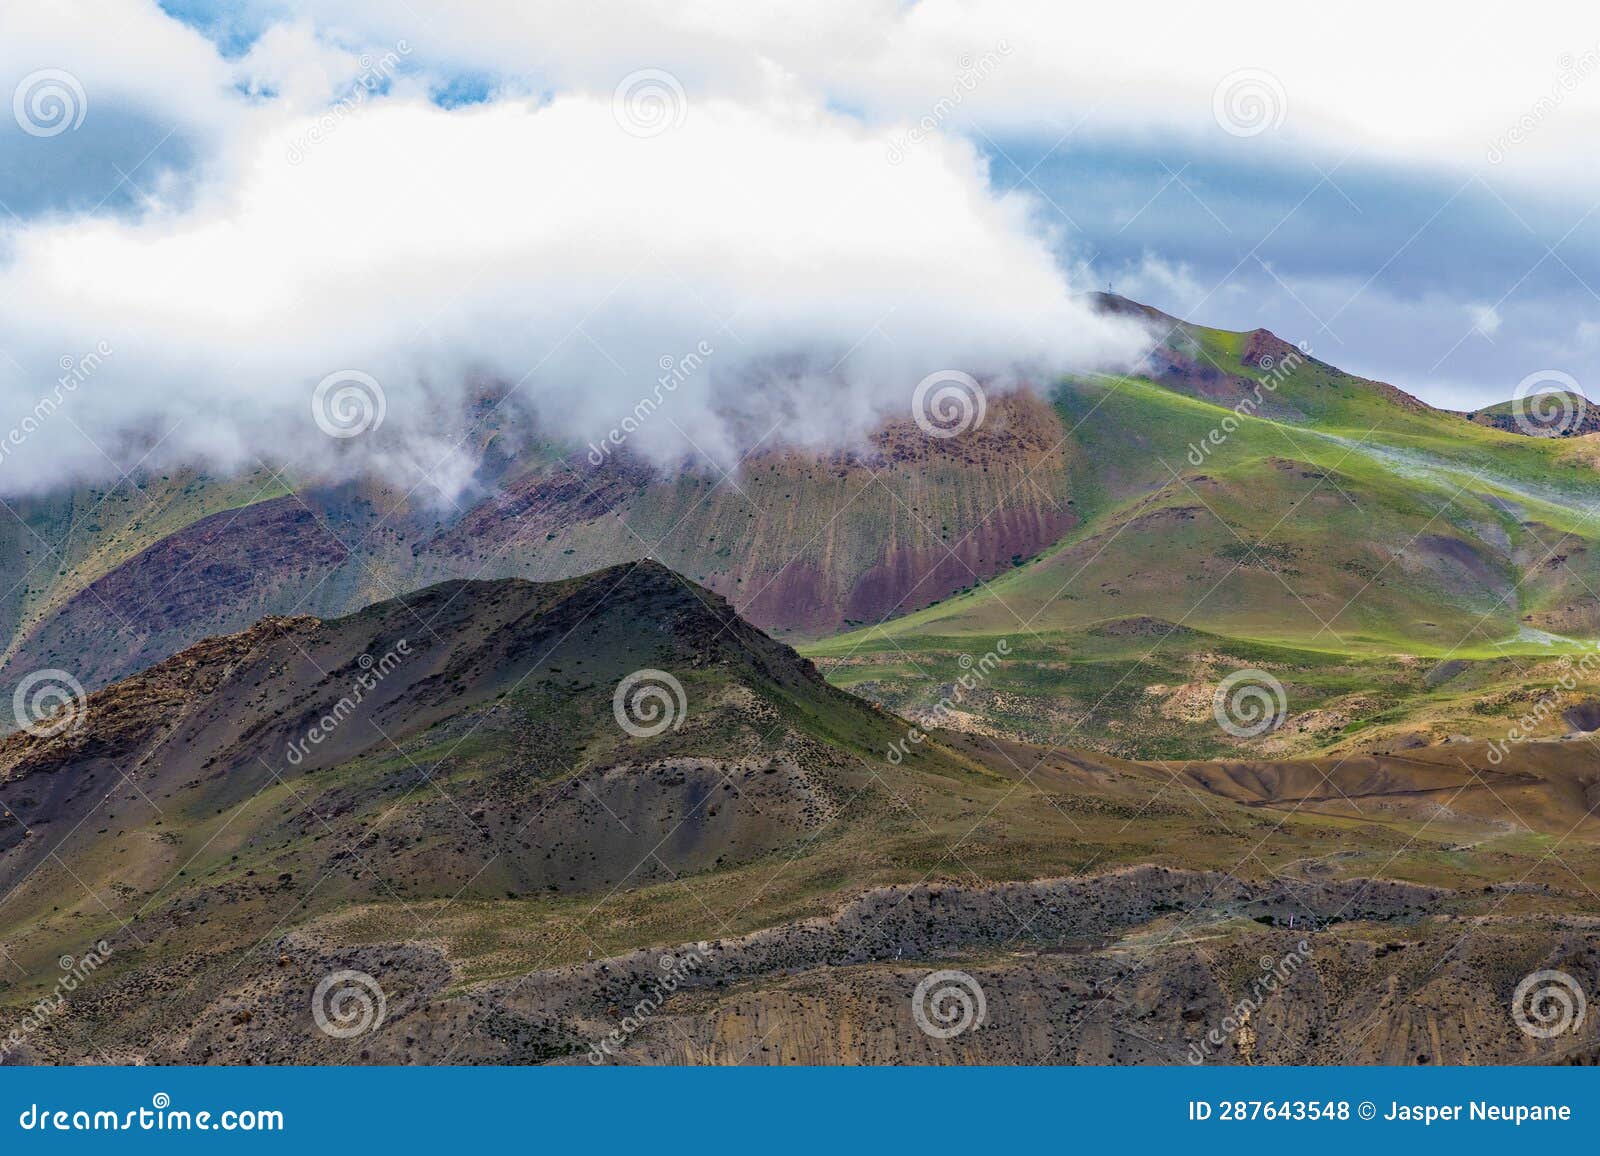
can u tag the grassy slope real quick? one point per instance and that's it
(1349, 551)
(196, 882)
(803, 545)
(1350, 536)
(54, 547)
(506, 753)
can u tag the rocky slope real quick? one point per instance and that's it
(1144, 965)
(510, 853)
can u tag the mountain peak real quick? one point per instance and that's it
(1114, 304)
(439, 650)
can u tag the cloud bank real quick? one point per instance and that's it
(1393, 81)
(834, 200)
(562, 253)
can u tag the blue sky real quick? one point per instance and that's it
(1385, 271)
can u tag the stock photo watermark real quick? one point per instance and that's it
(648, 702)
(75, 972)
(675, 971)
(674, 372)
(971, 72)
(1277, 371)
(948, 403)
(160, 1116)
(1547, 704)
(75, 370)
(1572, 70)
(348, 403)
(649, 102)
(1249, 102)
(1249, 703)
(49, 702)
(376, 75)
(1548, 403)
(49, 102)
(974, 673)
(1274, 974)
(348, 1003)
(372, 673)
(1548, 1004)
(948, 1003)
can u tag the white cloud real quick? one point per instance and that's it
(543, 246)
(294, 64)
(125, 52)
(1486, 319)
(1390, 82)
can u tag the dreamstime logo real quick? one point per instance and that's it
(74, 973)
(1572, 70)
(974, 672)
(372, 672)
(156, 1118)
(948, 403)
(49, 102)
(74, 372)
(1548, 403)
(647, 702)
(1274, 372)
(348, 403)
(972, 73)
(1249, 703)
(1275, 974)
(376, 75)
(1527, 726)
(1249, 102)
(674, 372)
(947, 1003)
(649, 102)
(347, 1004)
(49, 702)
(675, 972)
(1547, 1004)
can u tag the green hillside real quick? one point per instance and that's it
(1339, 534)
(1237, 504)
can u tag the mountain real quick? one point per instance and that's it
(1558, 413)
(1406, 575)
(503, 813)
(802, 544)
(230, 718)
(1236, 503)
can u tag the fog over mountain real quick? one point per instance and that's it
(239, 201)
(568, 257)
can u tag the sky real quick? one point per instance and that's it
(216, 217)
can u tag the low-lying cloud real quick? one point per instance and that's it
(570, 252)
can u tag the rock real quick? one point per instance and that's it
(1583, 716)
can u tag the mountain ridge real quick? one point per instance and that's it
(515, 847)
(1338, 515)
